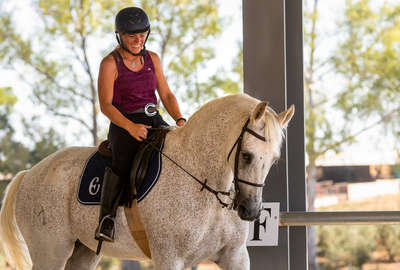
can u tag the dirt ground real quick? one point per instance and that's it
(369, 266)
(380, 266)
(208, 266)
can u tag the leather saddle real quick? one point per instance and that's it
(140, 164)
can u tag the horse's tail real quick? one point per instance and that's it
(11, 237)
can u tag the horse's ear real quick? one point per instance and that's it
(259, 112)
(286, 116)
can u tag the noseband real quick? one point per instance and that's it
(236, 179)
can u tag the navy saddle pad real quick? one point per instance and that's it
(91, 181)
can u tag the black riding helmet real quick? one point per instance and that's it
(132, 20)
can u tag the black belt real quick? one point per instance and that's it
(150, 110)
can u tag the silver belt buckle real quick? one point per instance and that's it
(150, 109)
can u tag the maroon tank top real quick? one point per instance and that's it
(133, 90)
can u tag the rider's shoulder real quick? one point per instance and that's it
(154, 57)
(152, 54)
(109, 59)
(108, 62)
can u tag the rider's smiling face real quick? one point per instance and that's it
(134, 42)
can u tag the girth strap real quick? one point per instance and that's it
(137, 229)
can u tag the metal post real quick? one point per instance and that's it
(273, 71)
(295, 135)
(264, 78)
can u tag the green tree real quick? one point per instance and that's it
(58, 55)
(345, 246)
(387, 239)
(7, 101)
(45, 142)
(56, 58)
(366, 57)
(223, 82)
(14, 155)
(184, 31)
(318, 129)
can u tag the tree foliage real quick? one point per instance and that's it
(341, 246)
(345, 246)
(56, 60)
(6, 97)
(368, 59)
(367, 49)
(387, 239)
(7, 101)
(15, 155)
(185, 33)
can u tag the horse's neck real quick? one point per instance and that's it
(204, 145)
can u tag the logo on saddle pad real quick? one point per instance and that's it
(94, 186)
(89, 191)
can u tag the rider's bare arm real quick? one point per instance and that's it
(165, 93)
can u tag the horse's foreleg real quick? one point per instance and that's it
(168, 264)
(82, 258)
(50, 255)
(234, 258)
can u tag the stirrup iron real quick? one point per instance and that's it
(101, 236)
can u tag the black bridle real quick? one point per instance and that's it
(236, 179)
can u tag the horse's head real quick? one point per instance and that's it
(257, 149)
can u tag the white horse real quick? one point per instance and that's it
(42, 221)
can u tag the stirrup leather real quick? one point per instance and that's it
(101, 236)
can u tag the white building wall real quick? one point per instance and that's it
(363, 191)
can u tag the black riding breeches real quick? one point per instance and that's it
(124, 148)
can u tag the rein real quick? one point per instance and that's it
(236, 179)
(203, 184)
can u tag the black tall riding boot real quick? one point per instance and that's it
(110, 197)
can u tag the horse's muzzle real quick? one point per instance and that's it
(249, 209)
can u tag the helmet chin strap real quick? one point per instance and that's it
(142, 51)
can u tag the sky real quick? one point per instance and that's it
(373, 147)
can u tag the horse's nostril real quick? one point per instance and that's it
(242, 209)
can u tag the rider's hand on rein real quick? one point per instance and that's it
(138, 131)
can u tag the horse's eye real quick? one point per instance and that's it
(247, 157)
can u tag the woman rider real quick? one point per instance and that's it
(128, 78)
